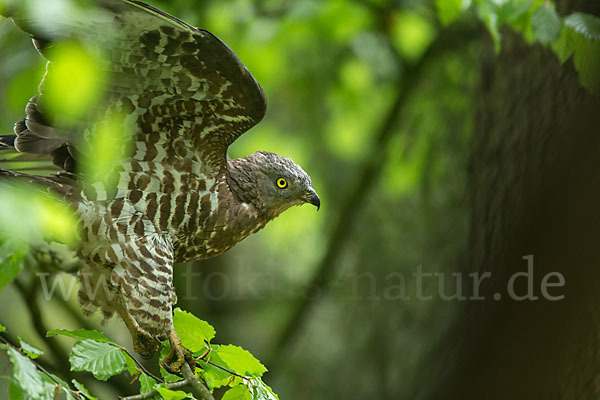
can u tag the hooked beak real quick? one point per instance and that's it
(313, 198)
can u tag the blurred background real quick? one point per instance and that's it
(379, 103)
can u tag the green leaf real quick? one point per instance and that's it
(28, 349)
(563, 47)
(64, 386)
(240, 360)
(587, 63)
(12, 253)
(2, 328)
(216, 377)
(237, 393)
(496, 13)
(546, 23)
(169, 377)
(81, 334)
(101, 359)
(15, 392)
(147, 383)
(82, 389)
(449, 10)
(488, 13)
(585, 24)
(28, 378)
(261, 391)
(132, 367)
(172, 394)
(581, 38)
(511, 11)
(192, 331)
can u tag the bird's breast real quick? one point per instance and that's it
(225, 225)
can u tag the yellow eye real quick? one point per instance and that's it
(281, 183)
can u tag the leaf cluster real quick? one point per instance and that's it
(31, 381)
(576, 35)
(219, 366)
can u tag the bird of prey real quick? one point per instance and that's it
(176, 196)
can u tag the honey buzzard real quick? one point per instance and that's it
(174, 195)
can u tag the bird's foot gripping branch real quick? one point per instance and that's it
(216, 366)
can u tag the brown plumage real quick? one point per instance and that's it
(174, 197)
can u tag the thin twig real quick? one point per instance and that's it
(206, 358)
(140, 366)
(225, 369)
(149, 395)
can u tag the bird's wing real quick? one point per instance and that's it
(182, 91)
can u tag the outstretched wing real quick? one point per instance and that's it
(183, 91)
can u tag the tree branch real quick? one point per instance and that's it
(148, 395)
(198, 389)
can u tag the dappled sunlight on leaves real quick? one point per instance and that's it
(354, 111)
(193, 332)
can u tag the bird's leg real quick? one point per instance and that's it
(179, 353)
(143, 343)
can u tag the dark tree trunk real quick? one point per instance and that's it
(535, 190)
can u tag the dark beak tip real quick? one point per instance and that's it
(315, 201)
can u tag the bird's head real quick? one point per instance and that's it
(271, 182)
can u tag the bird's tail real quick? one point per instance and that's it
(62, 185)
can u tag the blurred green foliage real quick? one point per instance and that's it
(75, 81)
(331, 70)
(34, 215)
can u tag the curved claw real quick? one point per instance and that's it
(179, 353)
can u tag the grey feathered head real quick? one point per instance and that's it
(271, 182)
